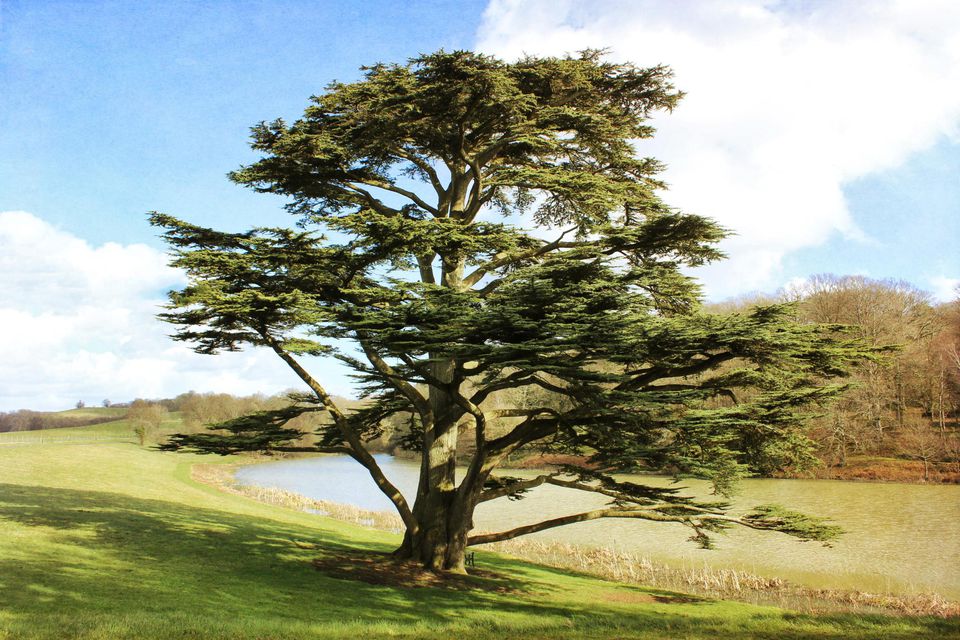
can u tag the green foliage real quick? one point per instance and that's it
(260, 431)
(772, 516)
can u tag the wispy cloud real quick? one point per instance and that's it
(787, 102)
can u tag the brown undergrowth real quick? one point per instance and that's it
(890, 470)
(606, 563)
(727, 584)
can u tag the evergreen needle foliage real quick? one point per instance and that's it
(471, 228)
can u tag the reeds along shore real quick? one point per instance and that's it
(616, 565)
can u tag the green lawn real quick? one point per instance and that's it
(115, 541)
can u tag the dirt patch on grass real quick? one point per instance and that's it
(380, 568)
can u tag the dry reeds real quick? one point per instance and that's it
(729, 584)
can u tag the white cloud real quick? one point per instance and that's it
(78, 322)
(945, 289)
(787, 101)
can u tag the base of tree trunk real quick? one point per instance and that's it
(443, 556)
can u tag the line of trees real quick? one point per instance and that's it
(907, 406)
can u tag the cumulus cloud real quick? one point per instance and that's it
(78, 323)
(786, 102)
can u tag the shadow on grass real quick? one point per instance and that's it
(97, 551)
(84, 552)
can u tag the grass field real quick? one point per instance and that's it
(110, 540)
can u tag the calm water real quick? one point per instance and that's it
(900, 537)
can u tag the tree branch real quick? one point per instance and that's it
(505, 259)
(400, 384)
(339, 450)
(531, 429)
(514, 380)
(375, 203)
(513, 487)
(475, 201)
(425, 263)
(409, 195)
(656, 373)
(486, 538)
(427, 170)
(522, 413)
(718, 391)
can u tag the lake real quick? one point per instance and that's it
(901, 538)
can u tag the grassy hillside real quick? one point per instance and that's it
(118, 429)
(103, 541)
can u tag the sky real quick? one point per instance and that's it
(824, 135)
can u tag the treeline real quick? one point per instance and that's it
(198, 410)
(906, 406)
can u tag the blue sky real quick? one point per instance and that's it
(826, 136)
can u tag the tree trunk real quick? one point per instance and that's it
(446, 519)
(440, 543)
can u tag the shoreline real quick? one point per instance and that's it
(618, 566)
(857, 469)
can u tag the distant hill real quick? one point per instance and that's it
(27, 420)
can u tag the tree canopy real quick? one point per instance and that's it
(470, 228)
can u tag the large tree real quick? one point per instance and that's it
(470, 228)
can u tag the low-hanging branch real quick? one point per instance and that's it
(790, 523)
(487, 538)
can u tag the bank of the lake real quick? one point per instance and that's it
(856, 468)
(901, 538)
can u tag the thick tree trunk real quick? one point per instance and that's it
(441, 544)
(445, 524)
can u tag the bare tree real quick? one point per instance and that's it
(146, 418)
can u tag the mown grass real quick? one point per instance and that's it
(114, 541)
(94, 412)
